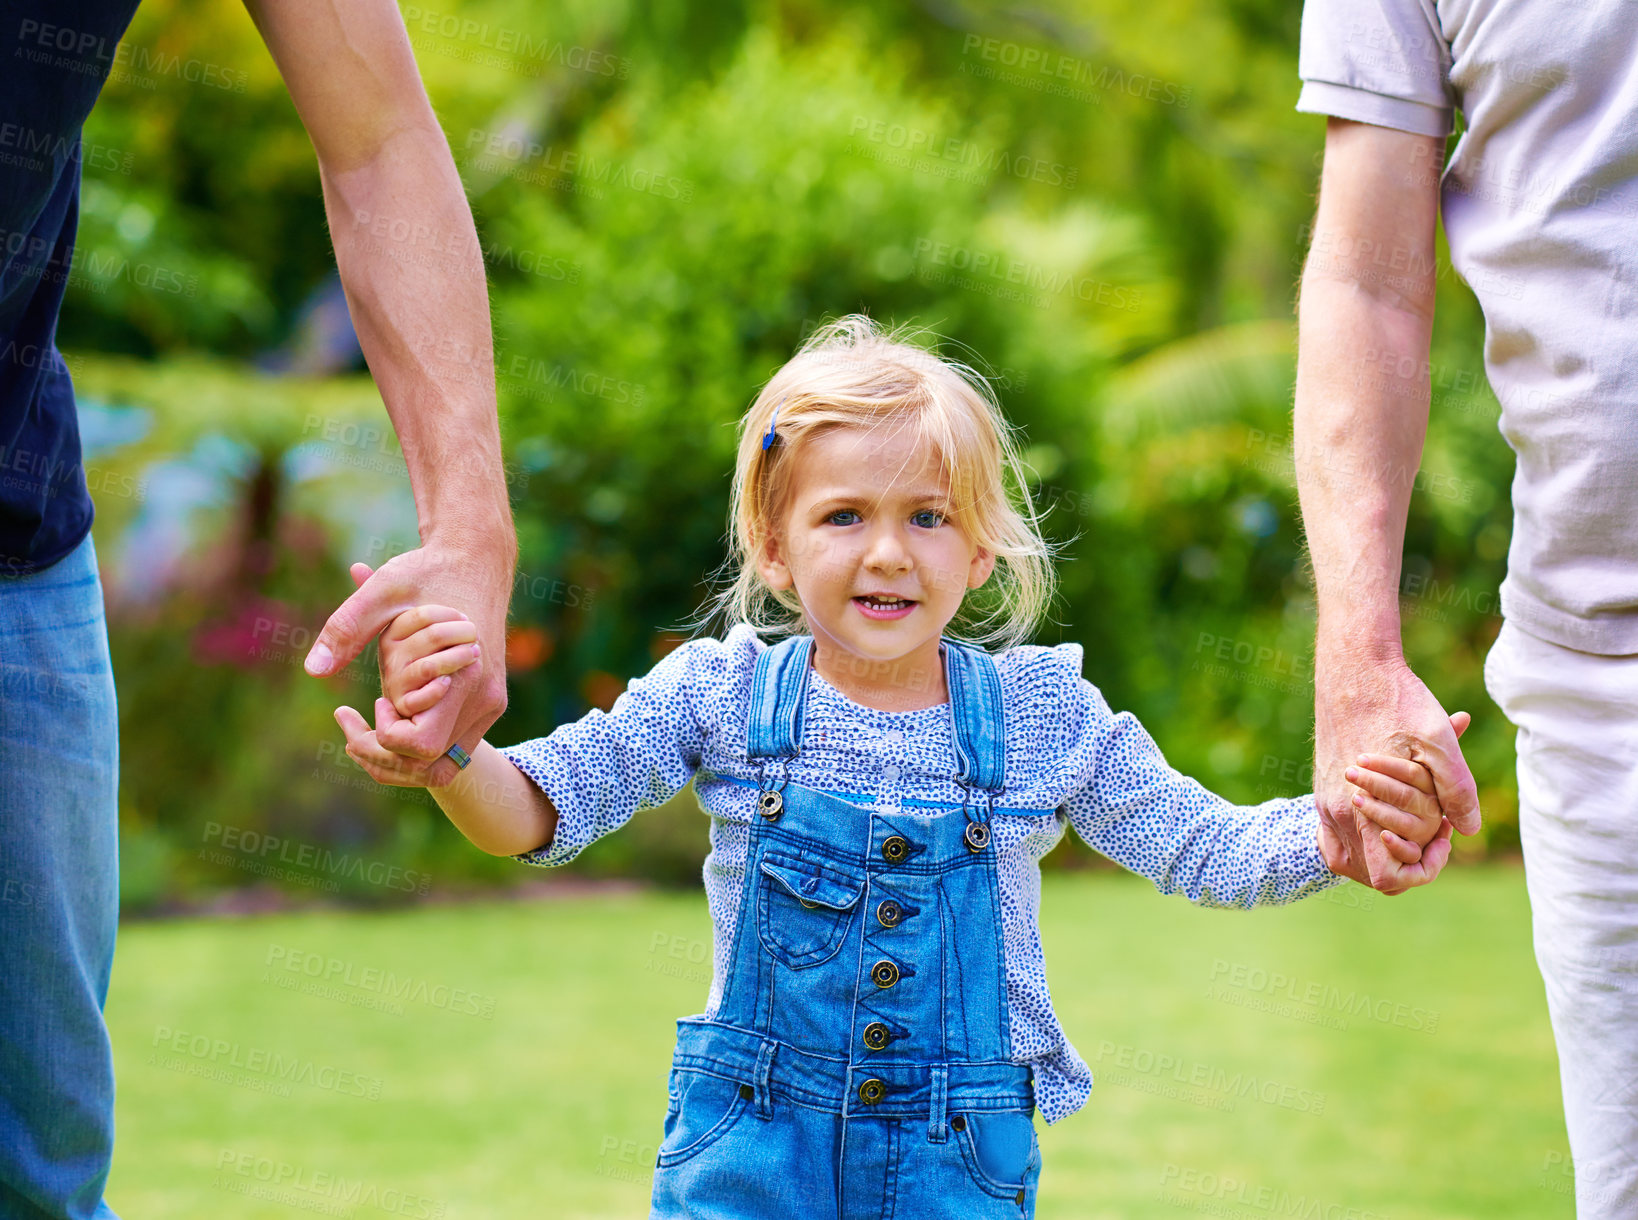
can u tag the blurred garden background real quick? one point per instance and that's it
(1101, 205)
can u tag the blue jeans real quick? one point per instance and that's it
(59, 891)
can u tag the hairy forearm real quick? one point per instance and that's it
(1364, 321)
(1358, 429)
(413, 273)
(496, 806)
(1360, 416)
(408, 254)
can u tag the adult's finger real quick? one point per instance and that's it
(1453, 782)
(356, 622)
(1340, 845)
(1437, 852)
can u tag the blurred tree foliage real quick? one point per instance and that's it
(1104, 207)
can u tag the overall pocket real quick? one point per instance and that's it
(999, 1148)
(703, 1110)
(803, 908)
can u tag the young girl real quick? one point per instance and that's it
(879, 1031)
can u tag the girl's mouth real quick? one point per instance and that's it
(878, 607)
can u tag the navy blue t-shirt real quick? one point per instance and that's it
(54, 57)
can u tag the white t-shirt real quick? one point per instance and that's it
(1540, 203)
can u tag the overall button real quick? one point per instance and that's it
(888, 913)
(958, 1123)
(876, 1036)
(770, 805)
(872, 1091)
(977, 835)
(884, 973)
(895, 848)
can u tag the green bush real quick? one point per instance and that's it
(663, 224)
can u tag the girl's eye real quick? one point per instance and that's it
(928, 518)
(844, 512)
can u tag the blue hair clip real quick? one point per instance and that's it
(770, 438)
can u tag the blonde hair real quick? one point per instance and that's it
(852, 374)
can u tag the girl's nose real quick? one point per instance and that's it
(886, 553)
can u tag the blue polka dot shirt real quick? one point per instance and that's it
(1069, 758)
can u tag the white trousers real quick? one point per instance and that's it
(1577, 716)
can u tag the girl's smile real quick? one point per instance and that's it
(884, 606)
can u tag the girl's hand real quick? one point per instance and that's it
(1398, 795)
(420, 649)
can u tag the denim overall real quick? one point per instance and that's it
(858, 1065)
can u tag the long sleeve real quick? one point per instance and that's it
(606, 766)
(1130, 805)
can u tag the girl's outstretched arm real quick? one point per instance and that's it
(1132, 806)
(492, 803)
(496, 806)
(545, 799)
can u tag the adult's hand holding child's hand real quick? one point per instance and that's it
(1378, 706)
(422, 650)
(477, 694)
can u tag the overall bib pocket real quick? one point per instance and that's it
(999, 1148)
(803, 908)
(703, 1110)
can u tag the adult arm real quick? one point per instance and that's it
(413, 273)
(1364, 322)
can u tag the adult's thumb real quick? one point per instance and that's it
(1459, 722)
(1457, 792)
(353, 625)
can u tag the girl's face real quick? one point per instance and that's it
(879, 570)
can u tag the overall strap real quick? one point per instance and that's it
(779, 689)
(976, 709)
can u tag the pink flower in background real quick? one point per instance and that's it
(259, 631)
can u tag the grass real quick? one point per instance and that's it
(1401, 1066)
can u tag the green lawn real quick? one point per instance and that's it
(1400, 1064)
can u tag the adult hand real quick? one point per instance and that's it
(1377, 705)
(465, 577)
